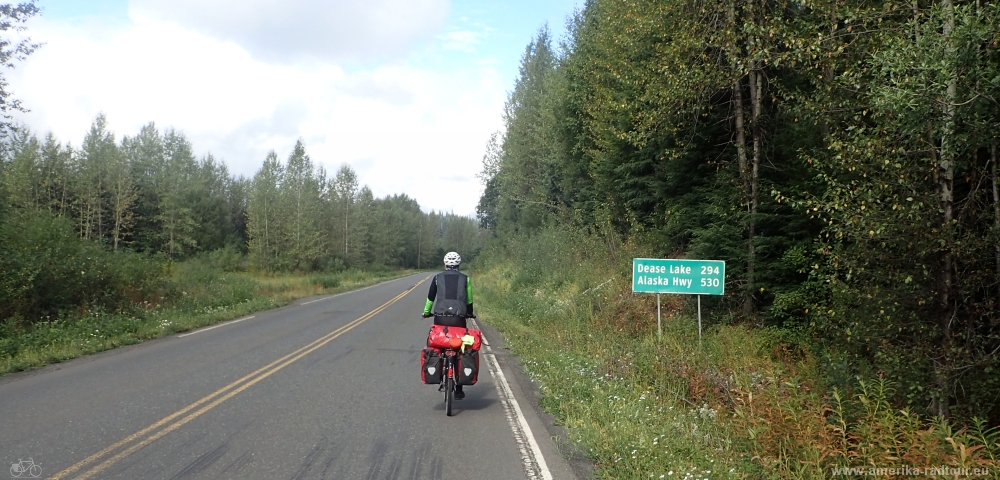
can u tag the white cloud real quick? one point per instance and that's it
(461, 40)
(404, 128)
(284, 30)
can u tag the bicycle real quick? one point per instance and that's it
(21, 467)
(449, 364)
(450, 377)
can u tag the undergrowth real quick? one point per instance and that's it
(193, 294)
(742, 402)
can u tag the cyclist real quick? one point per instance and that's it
(449, 300)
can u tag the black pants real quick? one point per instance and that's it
(451, 321)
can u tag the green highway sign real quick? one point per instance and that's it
(693, 277)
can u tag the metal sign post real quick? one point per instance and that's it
(690, 277)
(659, 326)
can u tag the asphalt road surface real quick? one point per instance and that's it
(328, 387)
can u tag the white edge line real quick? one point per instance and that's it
(217, 326)
(532, 460)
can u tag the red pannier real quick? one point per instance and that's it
(443, 337)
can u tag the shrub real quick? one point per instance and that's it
(228, 259)
(46, 268)
(327, 281)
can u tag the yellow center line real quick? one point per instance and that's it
(260, 374)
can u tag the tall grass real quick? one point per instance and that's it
(742, 403)
(192, 294)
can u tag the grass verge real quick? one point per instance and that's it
(194, 295)
(743, 402)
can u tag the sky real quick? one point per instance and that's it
(406, 92)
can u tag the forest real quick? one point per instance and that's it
(839, 155)
(86, 226)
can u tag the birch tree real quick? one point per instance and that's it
(263, 215)
(123, 195)
(345, 184)
(95, 159)
(176, 215)
(301, 193)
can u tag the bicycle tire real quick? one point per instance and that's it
(449, 395)
(35, 471)
(15, 470)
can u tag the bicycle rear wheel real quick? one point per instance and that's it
(449, 394)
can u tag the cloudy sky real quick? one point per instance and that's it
(407, 92)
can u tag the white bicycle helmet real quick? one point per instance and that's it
(452, 259)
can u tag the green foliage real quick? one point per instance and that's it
(839, 156)
(327, 281)
(631, 129)
(46, 270)
(741, 402)
(192, 294)
(96, 243)
(105, 237)
(299, 220)
(14, 46)
(906, 252)
(227, 259)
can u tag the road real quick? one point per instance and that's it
(327, 387)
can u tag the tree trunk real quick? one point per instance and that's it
(65, 193)
(741, 140)
(347, 209)
(267, 239)
(117, 231)
(756, 93)
(996, 207)
(946, 185)
(298, 224)
(82, 220)
(171, 248)
(741, 149)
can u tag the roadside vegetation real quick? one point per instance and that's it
(840, 156)
(190, 295)
(745, 402)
